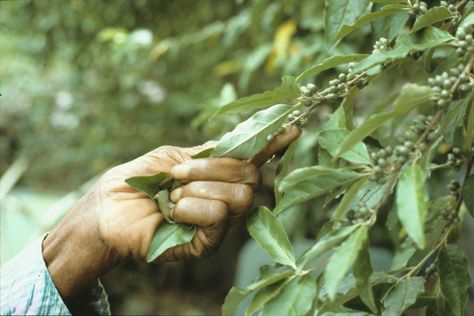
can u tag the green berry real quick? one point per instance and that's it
(342, 77)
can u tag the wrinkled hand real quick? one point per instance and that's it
(113, 222)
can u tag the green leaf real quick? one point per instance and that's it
(432, 16)
(203, 153)
(468, 20)
(362, 270)
(331, 139)
(337, 120)
(391, 26)
(250, 136)
(167, 236)
(343, 259)
(369, 17)
(348, 197)
(454, 278)
(411, 96)
(329, 63)
(165, 205)
(306, 183)
(402, 296)
(150, 185)
(237, 295)
(288, 90)
(269, 233)
(327, 242)
(264, 296)
(411, 202)
(295, 299)
(364, 130)
(470, 124)
(430, 37)
(283, 168)
(338, 13)
(468, 194)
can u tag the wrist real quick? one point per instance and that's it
(75, 253)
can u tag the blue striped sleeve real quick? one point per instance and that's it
(27, 289)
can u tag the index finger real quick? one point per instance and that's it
(217, 169)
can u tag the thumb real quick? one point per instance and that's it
(278, 144)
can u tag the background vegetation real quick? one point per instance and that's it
(87, 84)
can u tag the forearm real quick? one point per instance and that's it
(76, 255)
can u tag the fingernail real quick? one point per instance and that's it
(180, 171)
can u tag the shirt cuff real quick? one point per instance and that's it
(27, 288)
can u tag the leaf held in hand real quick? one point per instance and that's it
(168, 236)
(250, 136)
(150, 185)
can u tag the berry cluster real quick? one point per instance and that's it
(337, 89)
(384, 158)
(430, 271)
(455, 159)
(454, 188)
(451, 7)
(358, 215)
(464, 36)
(380, 45)
(380, 160)
(441, 85)
(419, 8)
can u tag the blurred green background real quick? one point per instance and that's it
(89, 84)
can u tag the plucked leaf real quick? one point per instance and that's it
(468, 194)
(454, 278)
(331, 139)
(167, 236)
(411, 202)
(369, 17)
(288, 90)
(411, 96)
(306, 183)
(432, 16)
(203, 153)
(329, 63)
(165, 205)
(269, 233)
(364, 130)
(402, 296)
(295, 299)
(150, 185)
(343, 259)
(250, 136)
(430, 37)
(338, 13)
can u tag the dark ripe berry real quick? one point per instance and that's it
(454, 186)
(351, 214)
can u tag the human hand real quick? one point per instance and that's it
(113, 222)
